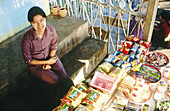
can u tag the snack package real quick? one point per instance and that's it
(115, 107)
(94, 98)
(146, 44)
(127, 44)
(81, 87)
(73, 97)
(109, 58)
(133, 38)
(106, 67)
(103, 82)
(129, 60)
(136, 67)
(123, 56)
(135, 47)
(82, 108)
(120, 100)
(125, 65)
(124, 50)
(129, 81)
(115, 53)
(119, 63)
(63, 107)
(132, 55)
(126, 89)
(118, 73)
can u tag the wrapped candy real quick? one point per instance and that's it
(123, 56)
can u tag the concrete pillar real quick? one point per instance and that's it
(150, 19)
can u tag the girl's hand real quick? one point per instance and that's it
(46, 67)
(52, 60)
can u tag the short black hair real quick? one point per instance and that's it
(35, 11)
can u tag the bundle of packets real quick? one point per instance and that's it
(80, 98)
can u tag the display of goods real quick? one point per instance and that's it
(156, 59)
(103, 82)
(82, 108)
(63, 107)
(150, 73)
(73, 97)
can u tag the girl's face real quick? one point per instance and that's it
(39, 23)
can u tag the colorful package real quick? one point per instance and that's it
(124, 50)
(106, 67)
(129, 81)
(73, 97)
(126, 89)
(123, 56)
(132, 55)
(63, 107)
(109, 58)
(127, 44)
(119, 63)
(103, 82)
(117, 73)
(126, 65)
(81, 87)
(146, 44)
(133, 38)
(115, 53)
(94, 98)
(135, 47)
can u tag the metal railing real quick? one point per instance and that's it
(108, 20)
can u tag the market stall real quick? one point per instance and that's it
(129, 79)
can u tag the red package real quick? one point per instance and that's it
(146, 44)
(125, 50)
(133, 38)
(127, 44)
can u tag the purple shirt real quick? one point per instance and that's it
(33, 47)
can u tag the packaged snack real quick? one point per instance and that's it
(135, 47)
(146, 44)
(126, 65)
(136, 67)
(94, 98)
(120, 100)
(73, 97)
(115, 53)
(135, 106)
(134, 62)
(127, 44)
(106, 67)
(82, 108)
(126, 89)
(132, 55)
(118, 73)
(119, 63)
(63, 107)
(81, 87)
(124, 50)
(129, 60)
(103, 82)
(115, 59)
(133, 38)
(123, 56)
(129, 81)
(109, 58)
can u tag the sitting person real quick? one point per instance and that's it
(161, 31)
(39, 46)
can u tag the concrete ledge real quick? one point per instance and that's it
(84, 58)
(71, 31)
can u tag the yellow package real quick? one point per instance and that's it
(82, 108)
(73, 97)
(123, 56)
(120, 100)
(129, 81)
(94, 98)
(117, 73)
(63, 107)
(106, 67)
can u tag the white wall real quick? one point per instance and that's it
(13, 15)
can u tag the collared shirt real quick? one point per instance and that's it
(33, 47)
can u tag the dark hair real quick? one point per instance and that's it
(166, 17)
(35, 11)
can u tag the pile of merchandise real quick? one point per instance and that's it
(114, 74)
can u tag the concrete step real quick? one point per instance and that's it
(84, 58)
(70, 31)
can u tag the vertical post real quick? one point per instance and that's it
(150, 19)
